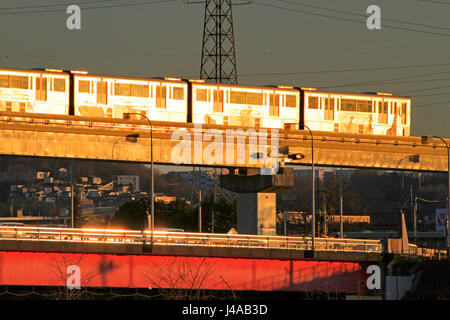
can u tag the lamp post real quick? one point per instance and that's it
(425, 140)
(72, 206)
(313, 222)
(151, 223)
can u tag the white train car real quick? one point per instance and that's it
(377, 113)
(111, 97)
(34, 91)
(233, 105)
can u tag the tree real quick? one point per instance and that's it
(85, 217)
(131, 215)
(178, 214)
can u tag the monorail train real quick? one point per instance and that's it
(78, 93)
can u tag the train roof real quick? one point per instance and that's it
(366, 94)
(153, 79)
(268, 87)
(36, 70)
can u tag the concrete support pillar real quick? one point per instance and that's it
(256, 213)
(256, 205)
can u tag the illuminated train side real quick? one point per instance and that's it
(52, 91)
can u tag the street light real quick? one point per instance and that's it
(127, 117)
(426, 140)
(313, 190)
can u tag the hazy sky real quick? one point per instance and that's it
(164, 39)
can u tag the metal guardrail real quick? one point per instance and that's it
(187, 239)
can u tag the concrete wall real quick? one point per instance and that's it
(256, 213)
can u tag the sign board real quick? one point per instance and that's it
(441, 219)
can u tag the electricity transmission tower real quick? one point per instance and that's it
(218, 64)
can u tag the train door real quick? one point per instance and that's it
(218, 101)
(383, 108)
(161, 96)
(41, 88)
(274, 105)
(403, 113)
(102, 92)
(329, 109)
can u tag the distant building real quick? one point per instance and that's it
(40, 175)
(108, 186)
(96, 180)
(93, 193)
(165, 199)
(128, 180)
(63, 174)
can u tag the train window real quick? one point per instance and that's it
(4, 81)
(255, 98)
(84, 86)
(291, 101)
(348, 105)
(313, 102)
(178, 93)
(102, 92)
(139, 90)
(382, 112)
(364, 106)
(18, 82)
(404, 113)
(274, 100)
(361, 129)
(336, 127)
(329, 109)
(202, 95)
(329, 103)
(60, 85)
(122, 89)
(237, 97)
(161, 97)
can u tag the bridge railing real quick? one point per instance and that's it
(187, 239)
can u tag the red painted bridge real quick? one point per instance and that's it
(43, 257)
(156, 271)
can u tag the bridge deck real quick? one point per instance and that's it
(105, 139)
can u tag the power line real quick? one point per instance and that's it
(350, 20)
(426, 89)
(361, 15)
(437, 2)
(431, 94)
(92, 8)
(398, 82)
(344, 70)
(354, 84)
(431, 104)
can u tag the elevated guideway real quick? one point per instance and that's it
(112, 139)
